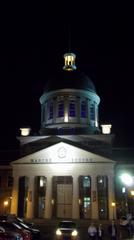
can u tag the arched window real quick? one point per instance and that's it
(83, 109)
(102, 189)
(72, 109)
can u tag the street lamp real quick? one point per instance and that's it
(113, 206)
(132, 192)
(5, 206)
(127, 180)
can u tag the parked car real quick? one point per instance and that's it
(9, 235)
(14, 218)
(12, 226)
(67, 229)
(22, 223)
(34, 232)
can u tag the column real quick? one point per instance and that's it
(14, 202)
(66, 110)
(75, 200)
(54, 109)
(30, 204)
(48, 200)
(111, 196)
(88, 111)
(94, 202)
(96, 115)
(78, 100)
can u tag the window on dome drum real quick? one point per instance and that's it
(102, 189)
(50, 113)
(61, 109)
(92, 112)
(83, 109)
(72, 111)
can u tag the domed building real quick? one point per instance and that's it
(67, 170)
(69, 104)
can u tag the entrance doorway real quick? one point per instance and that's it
(62, 195)
(64, 200)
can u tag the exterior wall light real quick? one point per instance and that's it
(5, 203)
(52, 201)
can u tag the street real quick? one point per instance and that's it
(47, 228)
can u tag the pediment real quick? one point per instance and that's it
(62, 153)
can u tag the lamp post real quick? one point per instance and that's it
(127, 180)
(132, 193)
(113, 206)
(132, 201)
(5, 206)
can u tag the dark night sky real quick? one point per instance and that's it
(32, 47)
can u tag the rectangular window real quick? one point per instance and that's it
(102, 188)
(83, 109)
(85, 196)
(92, 112)
(61, 109)
(72, 109)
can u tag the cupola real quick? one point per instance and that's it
(69, 62)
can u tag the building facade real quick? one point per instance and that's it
(67, 171)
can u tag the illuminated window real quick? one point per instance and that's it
(60, 109)
(86, 181)
(72, 109)
(123, 189)
(85, 196)
(50, 111)
(83, 109)
(102, 188)
(92, 112)
(40, 190)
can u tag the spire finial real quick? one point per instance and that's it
(69, 39)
